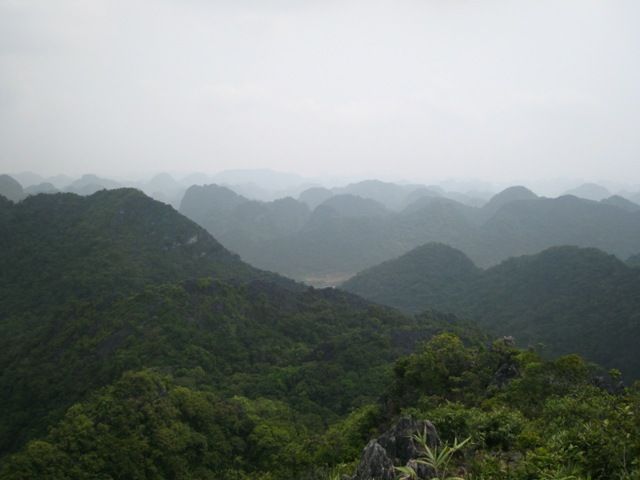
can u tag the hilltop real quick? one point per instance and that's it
(568, 299)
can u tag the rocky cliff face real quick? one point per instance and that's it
(396, 447)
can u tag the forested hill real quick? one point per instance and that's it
(160, 355)
(570, 299)
(93, 287)
(59, 247)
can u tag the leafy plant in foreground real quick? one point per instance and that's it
(436, 458)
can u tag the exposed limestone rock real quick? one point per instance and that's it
(396, 447)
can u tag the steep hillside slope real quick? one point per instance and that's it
(58, 247)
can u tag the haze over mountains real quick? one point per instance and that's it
(325, 235)
(343, 231)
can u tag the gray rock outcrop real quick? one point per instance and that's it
(396, 447)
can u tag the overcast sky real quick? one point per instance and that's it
(427, 89)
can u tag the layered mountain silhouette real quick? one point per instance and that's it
(566, 298)
(590, 191)
(331, 236)
(88, 184)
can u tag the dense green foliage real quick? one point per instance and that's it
(545, 419)
(322, 351)
(54, 248)
(88, 299)
(527, 419)
(144, 426)
(569, 299)
(133, 345)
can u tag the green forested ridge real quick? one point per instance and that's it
(59, 247)
(569, 299)
(89, 296)
(162, 356)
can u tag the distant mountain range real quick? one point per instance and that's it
(331, 236)
(566, 298)
(328, 235)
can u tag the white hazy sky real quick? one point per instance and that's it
(496, 90)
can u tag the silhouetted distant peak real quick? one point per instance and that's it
(10, 188)
(91, 178)
(422, 192)
(433, 201)
(90, 183)
(510, 194)
(163, 181)
(506, 197)
(216, 193)
(348, 205)
(200, 200)
(44, 187)
(314, 196)
(590, 191)
(390, 195)
(621, 202)
(584, 257)
(28, 179)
